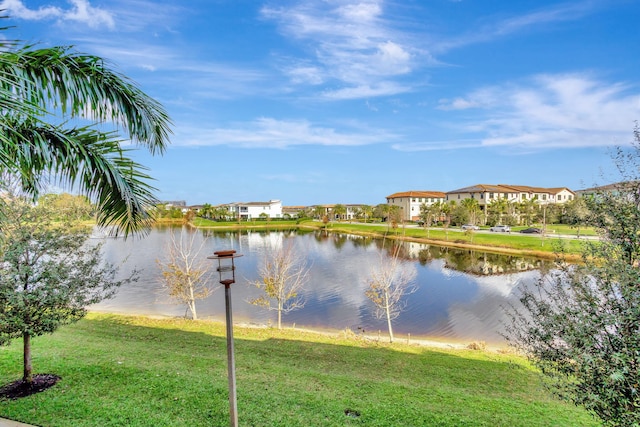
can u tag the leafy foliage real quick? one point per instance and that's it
(581, 324)
(50, 273)
(68, 206)
(40, 86)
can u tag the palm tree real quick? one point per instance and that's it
(367, 212)
(382, 211)
(319, 212)
(473, 208)
(499, 207)
(427, 213)
(339, 211)
(42, 92)
(206, 211)
(528, 208)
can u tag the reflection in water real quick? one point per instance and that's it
(460, 293)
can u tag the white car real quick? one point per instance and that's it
(500, 228)
(470, 227)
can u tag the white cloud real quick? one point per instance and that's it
(476, 99)
(306, 74)
(366, 91)
(16, 9)
(392, 59)
(437, 145)
(271, 133)
(562, 111)
(350, 42)
(80, 11)
(92, 16)
(556, 13)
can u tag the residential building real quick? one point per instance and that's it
(255, 210)
(485, 194)
(174, 204)
(293, 211)
(351, 211)
(615, 188)
(409, 202)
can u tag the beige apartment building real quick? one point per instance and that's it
(485, 194)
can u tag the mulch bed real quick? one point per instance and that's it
(20, 388)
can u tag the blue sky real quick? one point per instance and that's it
(341, 101)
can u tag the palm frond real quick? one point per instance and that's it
(91, 160)
(82, 86)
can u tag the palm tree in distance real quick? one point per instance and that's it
(47, 97)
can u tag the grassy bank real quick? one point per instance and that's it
(135, 371)
(514, 243)
(510, 243)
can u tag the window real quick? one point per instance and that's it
(524, 196)
(544, 197)
(490, 195)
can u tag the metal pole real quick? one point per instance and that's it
(231, 364)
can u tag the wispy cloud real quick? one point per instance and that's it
(347, 42)
(79, 11)
(500, 28)
(441, 145)
(550, 111)
(279, 134)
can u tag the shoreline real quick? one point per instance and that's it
(382, 339)
(456, 243)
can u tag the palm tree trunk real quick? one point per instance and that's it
(27, 375)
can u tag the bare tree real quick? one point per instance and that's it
(185, 271)
(283, 274)
(390, 281)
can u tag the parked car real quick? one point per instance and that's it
(501, 228)
(470, 227)
(532, 230)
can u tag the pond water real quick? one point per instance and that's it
(459, 294)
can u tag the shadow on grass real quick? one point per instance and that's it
(121, 370)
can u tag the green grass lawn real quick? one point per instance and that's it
(514, 242)
(535, 244)
(136, 371)
(262, 223)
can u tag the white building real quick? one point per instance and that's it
(255, 210)
(410, 202)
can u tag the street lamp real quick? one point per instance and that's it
(227, 272)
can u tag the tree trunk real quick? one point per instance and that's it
(27, 375)
(388, 310)
(192, 303)
(192, 307)
(280, 308)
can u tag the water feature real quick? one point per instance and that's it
(459, 293)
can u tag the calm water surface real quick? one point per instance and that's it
(459, 296)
